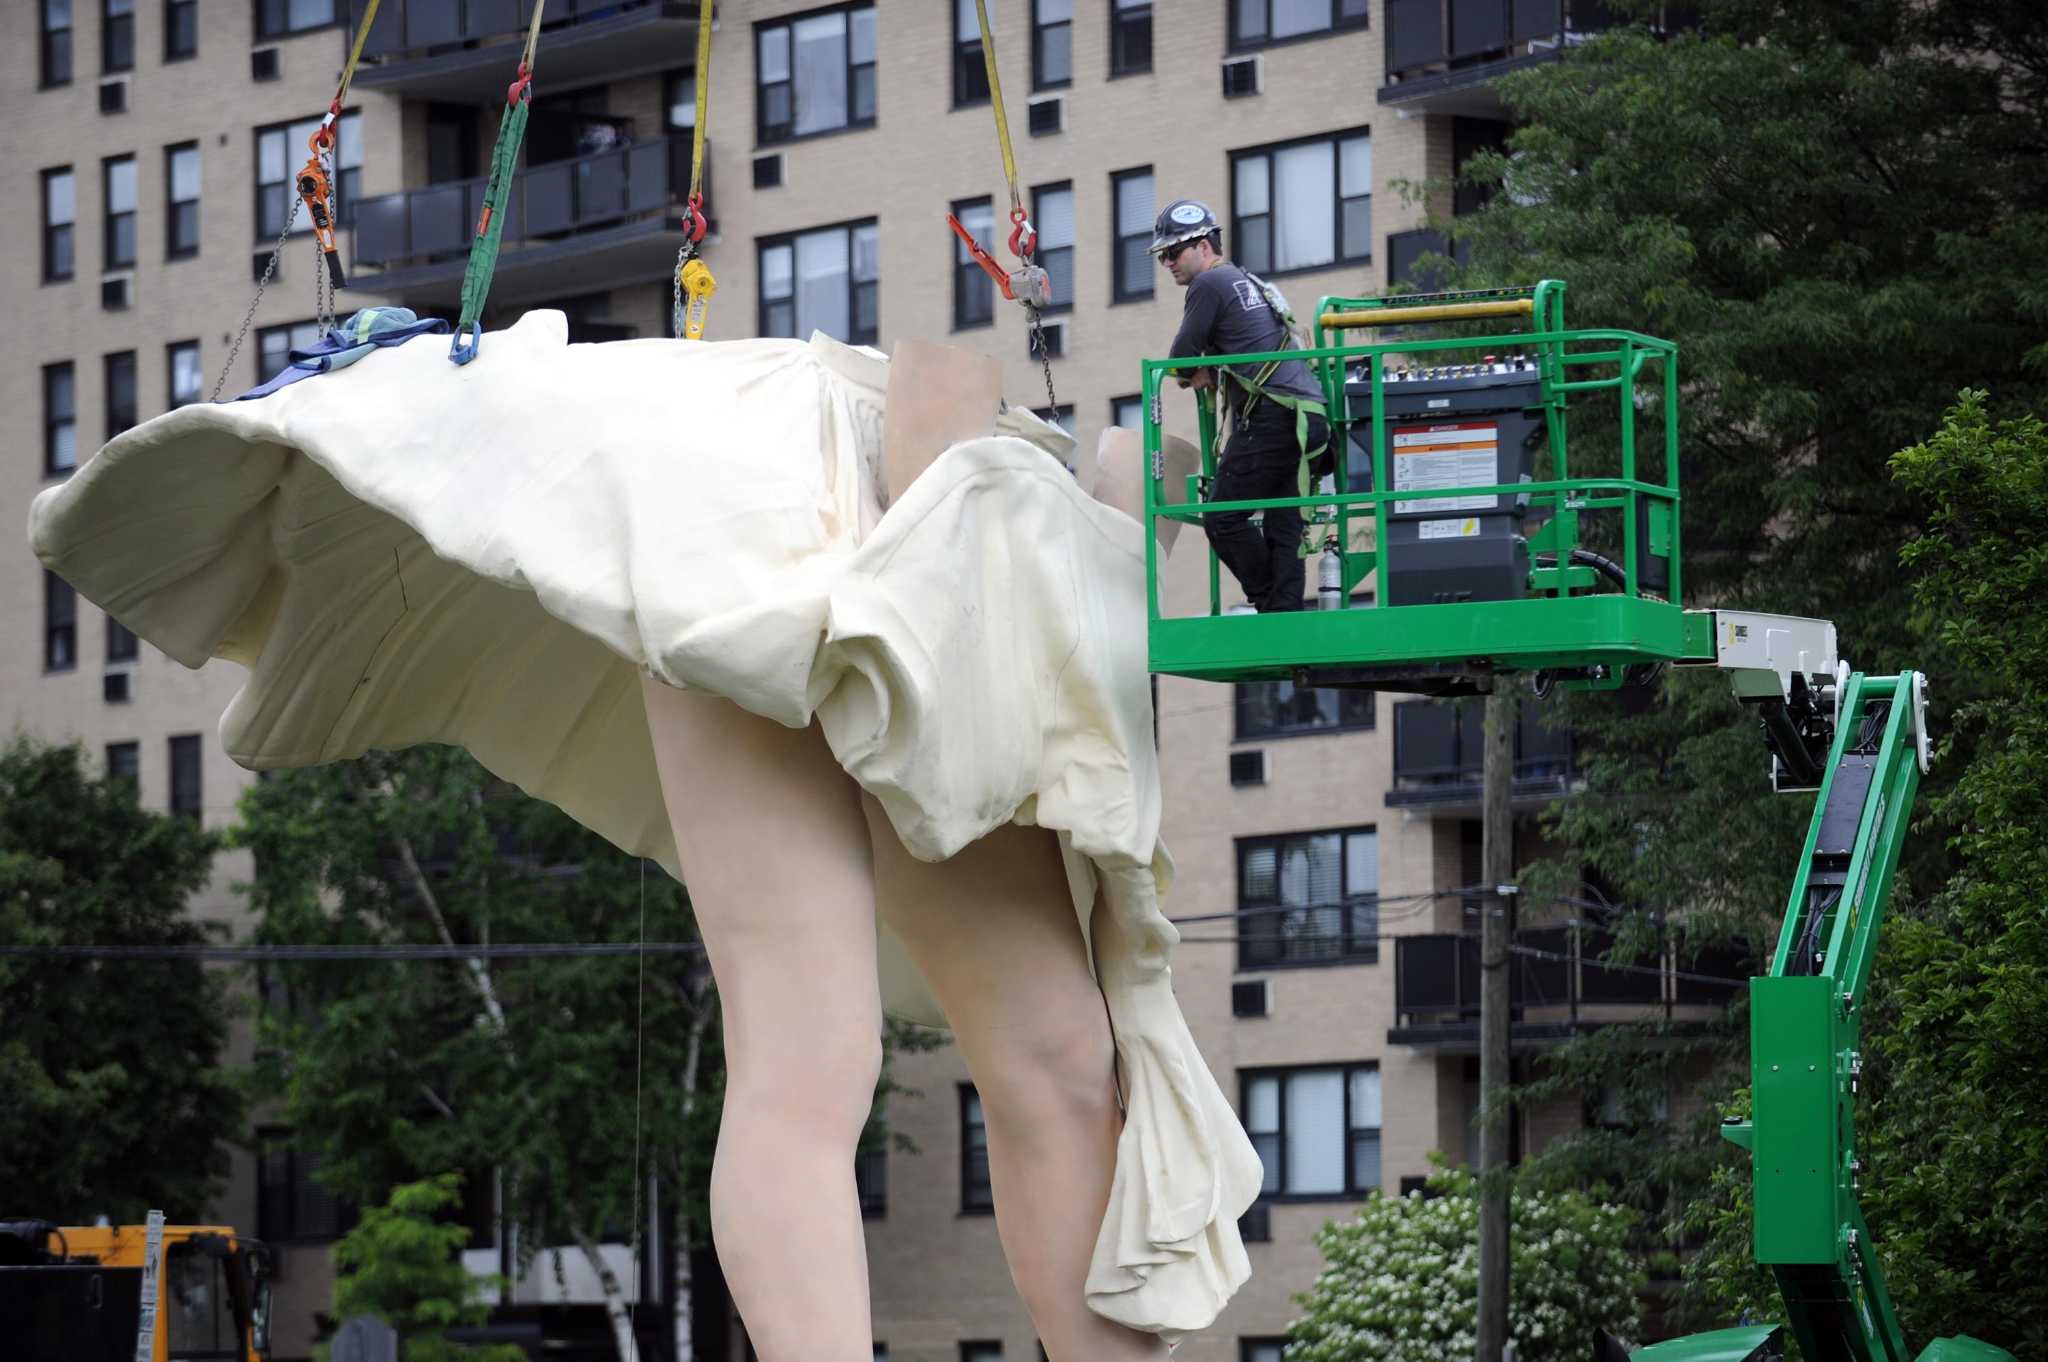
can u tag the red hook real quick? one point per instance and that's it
(1021, 231)
(521, 86)
(694, 212)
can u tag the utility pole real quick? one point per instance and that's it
(1497, 856)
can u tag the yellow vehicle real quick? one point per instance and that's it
(93, 1293)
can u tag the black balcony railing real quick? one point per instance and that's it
(1429, 37)
(406, 27)
(1405, 251)
(1439, 750)
(1559, 980)
(547, 202)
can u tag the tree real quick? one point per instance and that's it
(1401, 1283)
(563, 1077)
(1815, 199)
(401, 1264)
(116, 1099)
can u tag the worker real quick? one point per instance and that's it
(1275, 409)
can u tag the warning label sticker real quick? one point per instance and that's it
(1468, 528)
(1460, 454)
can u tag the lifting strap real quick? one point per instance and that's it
(693, 276)
(490, 226)
(1023, 236)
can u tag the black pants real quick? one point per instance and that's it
(1260, 460)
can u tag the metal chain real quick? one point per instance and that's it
(323, 287)
(1045, 362)
(276, 252)
(676, 301)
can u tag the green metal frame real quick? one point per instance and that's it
(1805, 1037)
(1549, 628)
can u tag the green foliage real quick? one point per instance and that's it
(1402, 1281)
(1958, 1135)
(402, 1264)
(115, 1099)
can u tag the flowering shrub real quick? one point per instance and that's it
(1402, 1284)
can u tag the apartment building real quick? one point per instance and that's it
(150, 144)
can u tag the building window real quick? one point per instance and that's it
(1255, 23)
(274, 346)
(974, 293)
(1052, 212)
(1052, 44)
(60, 624)
(124, 762)
(1317, 1130)
(975, 1196)
(970, 70)
(280, 151)
(121, 644)
(1277, 709)
(181, 362)
(291, 1206)
(824, 280)
(1302, 205)
(282, 18)
(117, 179)
(119, 372)
(1308, 899)
(1260, 1349)
(181, 29)
(1130, 37)
(816, 74)
(1128, 412)
(1134, 207)
(185, 775)
(981, 1350)
(117, 36)
(60, 217)
(871, 1181)
(60, 418)
(181, 208)
(56, 43)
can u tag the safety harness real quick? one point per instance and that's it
(1256, 388)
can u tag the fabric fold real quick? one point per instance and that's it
(496, 556)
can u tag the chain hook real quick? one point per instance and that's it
(1023, 236)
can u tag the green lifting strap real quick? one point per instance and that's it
(490, 227)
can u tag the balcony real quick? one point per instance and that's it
(1406, 249)
(1443, 55)
(596, 222)
(1439, 750)
(465, 51)
(1559, 986)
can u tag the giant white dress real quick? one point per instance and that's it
(407, 551)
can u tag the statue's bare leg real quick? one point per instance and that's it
(993, 931)
(776, 856)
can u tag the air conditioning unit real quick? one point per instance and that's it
(114, 95)
(1255, 1226)
(1045, 116)
(263, 64)
(768, 171)
(1248, 768)
(116, 688)
(1055, 334)
(1251, 998)
(117, 294)
(260, 263)
(1240, 77)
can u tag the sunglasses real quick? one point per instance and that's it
(1173, 253)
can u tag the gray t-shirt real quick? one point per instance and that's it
(1227, 314)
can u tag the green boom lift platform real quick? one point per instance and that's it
(1454, 554)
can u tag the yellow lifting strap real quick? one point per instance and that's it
(693, 277)
(355, 53)
(995, 95)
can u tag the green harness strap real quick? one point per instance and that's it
(490, 228)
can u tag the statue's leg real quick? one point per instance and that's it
(776, 857)
(994, 933)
